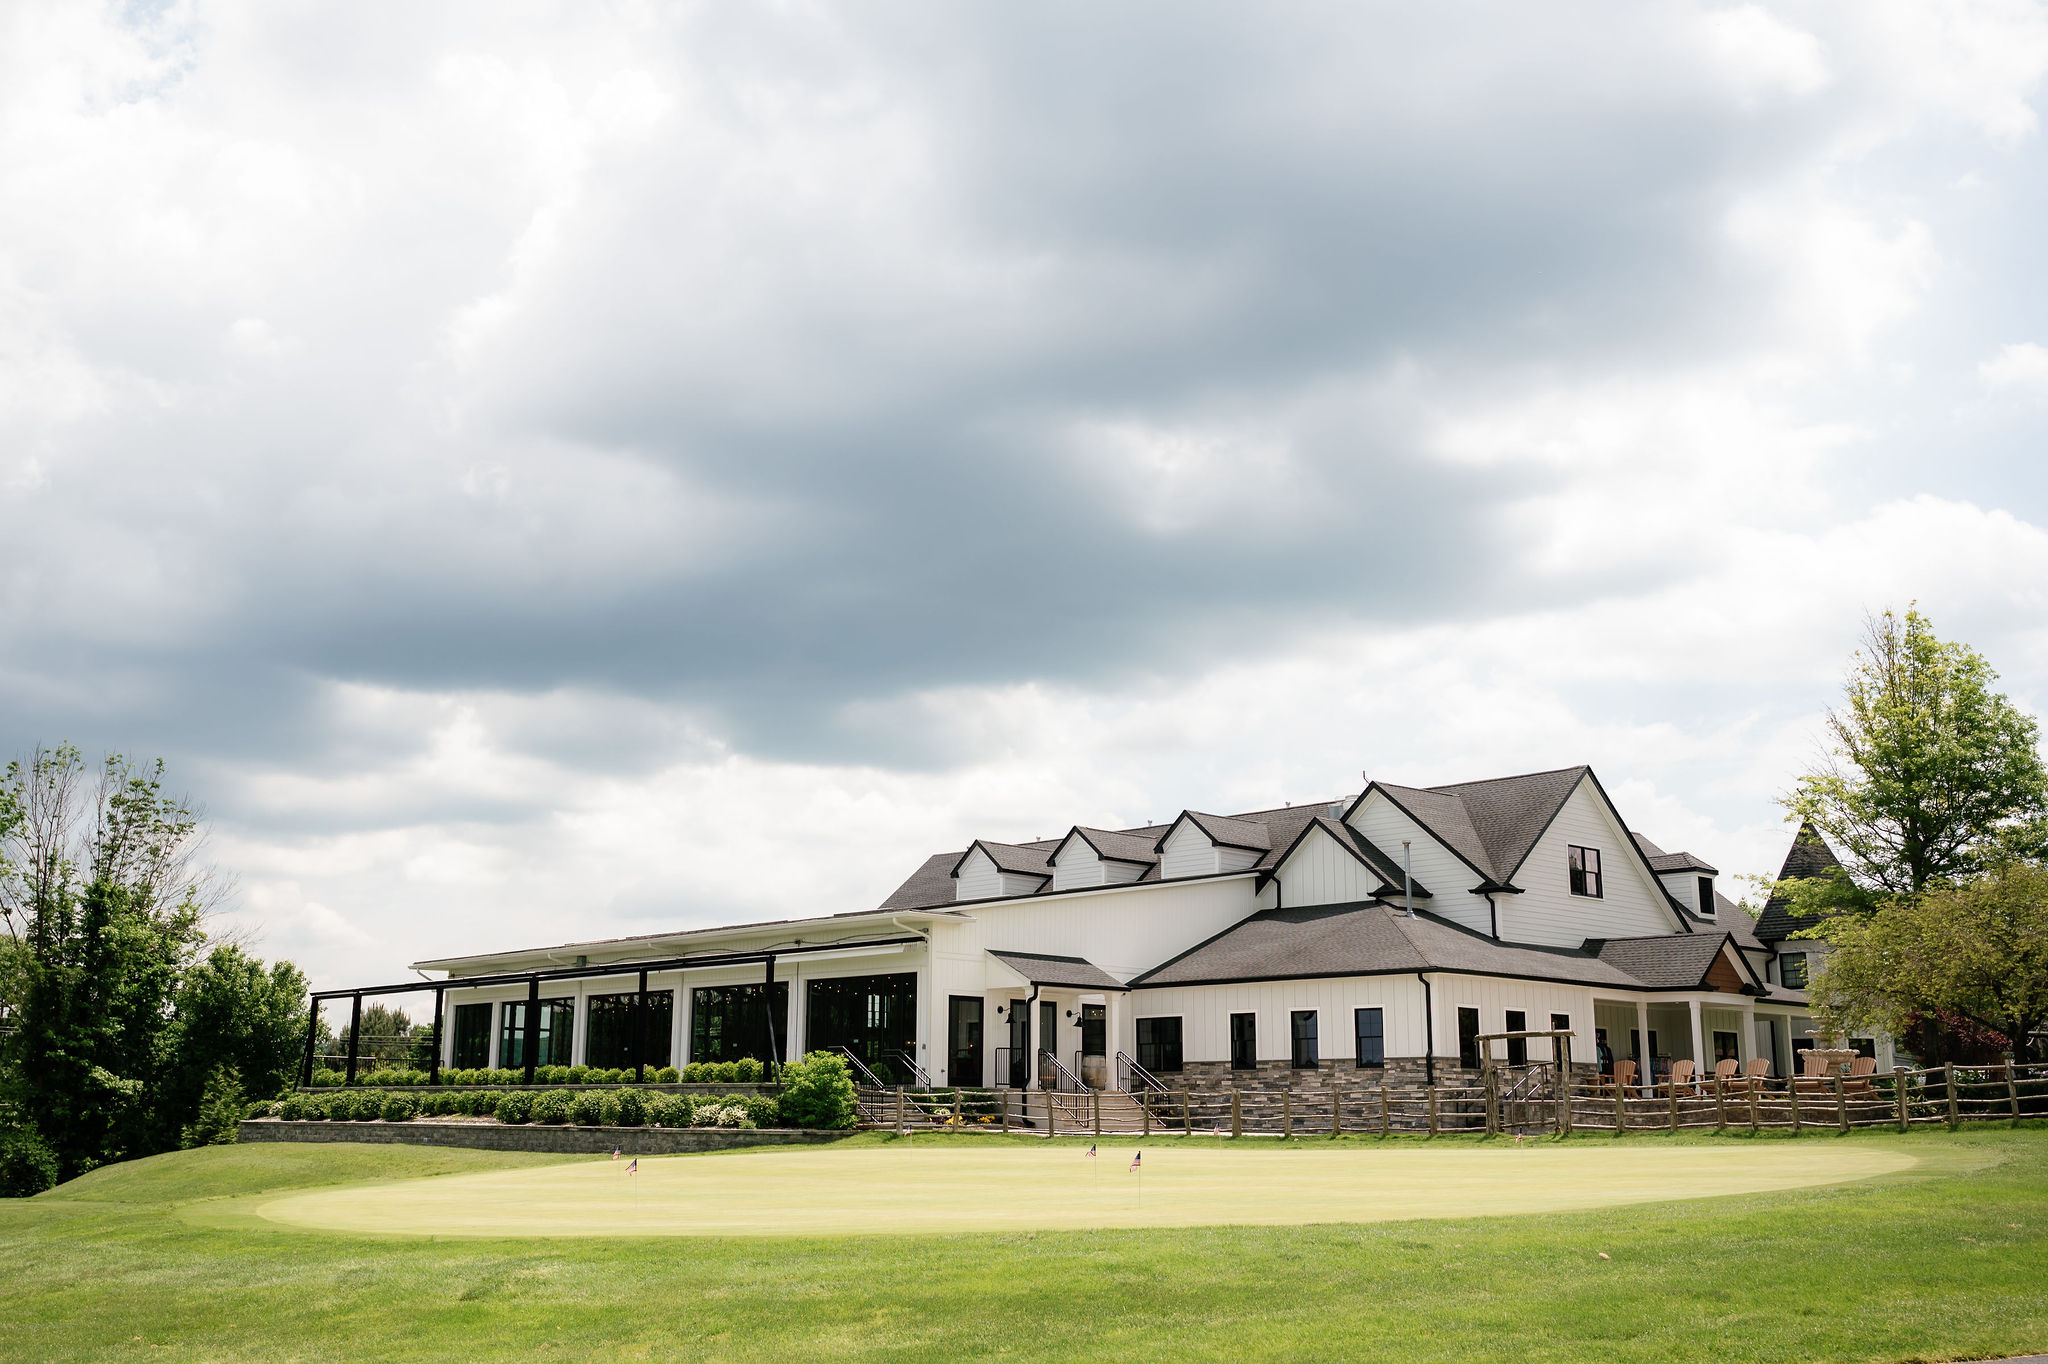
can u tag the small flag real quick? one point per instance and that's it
(616, 1153)
(634, 1168)
(1135, 1160)
(1091, 1153)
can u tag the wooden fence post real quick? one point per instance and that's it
(959, 1110)
(1899, 1084)
(1052, 1117)
(1754, 1084)
(1336, 1111)
(1006, 1109)
(1564, 1106)
(1798, 1118)
(1095, 1109)
(2012, 1089)
(1145, 1104)
(1286, 1113)
(1841, 1103)
(1236, 1112)
(1620, 1108)
(1720, 1106)
(899, 1111)
(1491, 1081)
(1384, 1115)
(1187, 1112)
(1432, 1111)
(1948, 1080)
(1674, 1103)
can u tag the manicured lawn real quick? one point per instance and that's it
(1947, 1259)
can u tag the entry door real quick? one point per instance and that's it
(963, 1040)
(1020, 1044)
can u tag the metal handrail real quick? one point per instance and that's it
(1067, 1077)
(860, 1067)
(924, 1081)
(1142, 1075)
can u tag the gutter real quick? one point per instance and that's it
(1429, 1028)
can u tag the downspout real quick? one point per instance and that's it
(1429, 1029)
(1493, 914)
(1030, 1035)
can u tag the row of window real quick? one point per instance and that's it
(1159, 1041)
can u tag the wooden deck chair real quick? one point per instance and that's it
(1858, 1080)
(1681, 1076)
(1724, 1071)
(1624, 1075)
(1755, 1073)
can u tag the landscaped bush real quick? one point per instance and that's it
(667, 1075)
(365, 1106)
(516, 1106)
(325, 1079)
(27, 1164)
(398, 1108)
(607, 1108)
(762, 1110)
(669, 1110)
(262, 1108)
(579, 1074)
(817, 1092)
(586, 1109)
(292, 1108)
(722, 1113)
(485, 1105)
(551, 1108)
(629, 1108)
(748, 1071)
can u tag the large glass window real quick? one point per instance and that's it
(1518, 1047)
(963, 1040)
(1159, 1045)
(1094, 1030)
(1308, 1053)
(557, 1029)
(874, 1017)
(609, 1041)
(1468, 1038)
(730, 1022)
(1020, 1045)
(1244, 1041)
(472, 1036)
(1792, 970)
(1371, 1029)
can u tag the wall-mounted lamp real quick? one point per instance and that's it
(1001, 1009)
(1070, 1013)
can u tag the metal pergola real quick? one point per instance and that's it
(532, 980)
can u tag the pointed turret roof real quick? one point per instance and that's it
(1810, 856)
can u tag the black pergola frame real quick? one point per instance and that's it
(532, 980)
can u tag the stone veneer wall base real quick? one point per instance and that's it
(493, 1136)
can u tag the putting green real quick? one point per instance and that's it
(930, 1188)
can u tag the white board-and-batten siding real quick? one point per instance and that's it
(1449, 880)
(1685, 888)
(1188, 852)
(1076, 867)
(1320, 872)
(1631, 904)
(1205, 1010)
(981, 879)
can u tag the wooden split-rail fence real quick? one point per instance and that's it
(1509, 1100)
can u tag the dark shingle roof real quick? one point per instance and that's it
(1671, 961)
(1070, 972)
(928, 886)
(1809, 856)
(1231, 833)
(1661, 861)
(1367, 939)
(1014, 857)
(1491, 824)
(1117, 847)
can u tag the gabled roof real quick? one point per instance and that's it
(1672, 961)
(1369, 854)
(1663, 862)
(1010, 857)
(1361, 939)
(1490, 825)
(1222, 831)
(1068, 972)
(1810, 856)
(1110, 846)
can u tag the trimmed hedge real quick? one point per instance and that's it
(585, 1108)
(542, 1075)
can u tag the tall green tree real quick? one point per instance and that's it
(232, 1013)
(1975, 951)
(1930, 774)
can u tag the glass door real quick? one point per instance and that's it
(963, 1040)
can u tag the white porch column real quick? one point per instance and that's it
(1113, 1032)
(1699, 1033)
(1645, 1059)
(1745, 1041)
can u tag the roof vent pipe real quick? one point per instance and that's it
(1407, 883)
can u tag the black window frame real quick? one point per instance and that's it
(873, 1016)
(1559, 1023)
(1159, 1039)
(1468, 1038)
(555, 1044)
(748, 1037)
(1304, 1044)
(1244, 1041)
(1517, 1020)
(472, 1044)
(1805, 969)
(1732, 1052)
(1094, 1023)
(1707, 910)
(1369, 1045)
(1583, 864)
(608, 1029)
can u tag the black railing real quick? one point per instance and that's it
(1132, 1076)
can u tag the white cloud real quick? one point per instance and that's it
(2021, 365)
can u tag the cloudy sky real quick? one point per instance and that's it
(545, 472)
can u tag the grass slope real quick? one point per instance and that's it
(1949, 1261)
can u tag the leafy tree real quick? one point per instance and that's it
(389, 1037)
(220, 1111)
(27, 1164)
(232, 1012)
(1930, 774)
(1975, 952)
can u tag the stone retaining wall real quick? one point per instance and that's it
(495, 1136)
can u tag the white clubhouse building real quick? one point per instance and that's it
(1212, 950)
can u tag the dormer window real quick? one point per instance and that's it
(1706, 897)
(1585, 870)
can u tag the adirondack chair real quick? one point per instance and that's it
(1857, 1083)
(1724, 1071)
(1755, 1073)
(1682, 1076)
(1624, 1076)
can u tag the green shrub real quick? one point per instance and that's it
(748, 1071)
(262, 1108)
(586, 1109)
(515, 1106)
(398, 1108)
(608, 1108)
(761, 1110)
(551, 1108)
(817, 1092)
(292, 1108)
(725, 1072)
(27, 1164)
(629, 1108)
(669, 1110)
(326, 1079)
(220, 1111)
(667, 1075)
(617, 1077)
(483, 1105)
